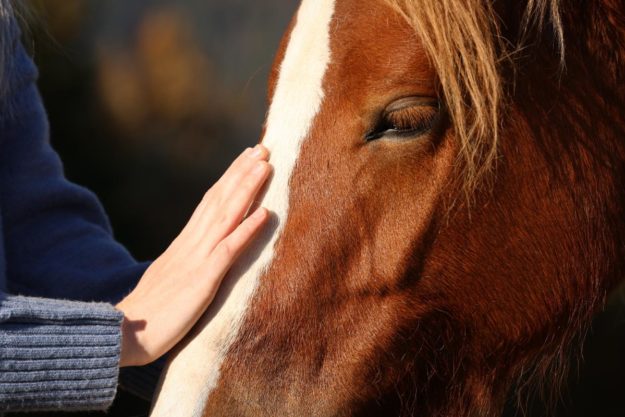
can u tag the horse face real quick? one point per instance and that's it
(360, 159)
(365, 293)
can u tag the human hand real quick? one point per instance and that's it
(178, 287)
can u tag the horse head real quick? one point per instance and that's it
(448, 212)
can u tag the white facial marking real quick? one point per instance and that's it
(194, 373)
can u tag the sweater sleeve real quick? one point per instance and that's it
(58, 244)
(58, 241)
(57, 355)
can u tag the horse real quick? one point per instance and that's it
(448, 203)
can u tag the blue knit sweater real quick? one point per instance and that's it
(55, 245)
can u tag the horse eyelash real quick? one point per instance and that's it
(409, 121)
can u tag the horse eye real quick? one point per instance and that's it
(406, 118)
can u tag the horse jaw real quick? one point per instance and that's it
(194, 368)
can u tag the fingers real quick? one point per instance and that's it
(229, 214)
(227, 251)
(216, 202)
(179, 285)
(240, 167)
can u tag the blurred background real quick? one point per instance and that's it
(150, 100)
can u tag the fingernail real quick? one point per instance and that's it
(256, 152)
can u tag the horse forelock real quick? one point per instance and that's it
(297, 96)
(465, 45)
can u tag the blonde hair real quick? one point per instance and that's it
(6, 15)
(464, 43)
(13, 14)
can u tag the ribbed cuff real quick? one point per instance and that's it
(58, 355)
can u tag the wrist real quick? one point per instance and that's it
(131, 352)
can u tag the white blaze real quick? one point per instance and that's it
(194, 373)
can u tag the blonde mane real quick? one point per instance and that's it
(464, 42)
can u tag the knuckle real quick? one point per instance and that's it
(225, 218)
(250, 184)
(226, 249)
(241, 159)
(247, 187)
(208, 195)
(249, 226)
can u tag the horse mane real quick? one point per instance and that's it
(465, 44)
(473, 46)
